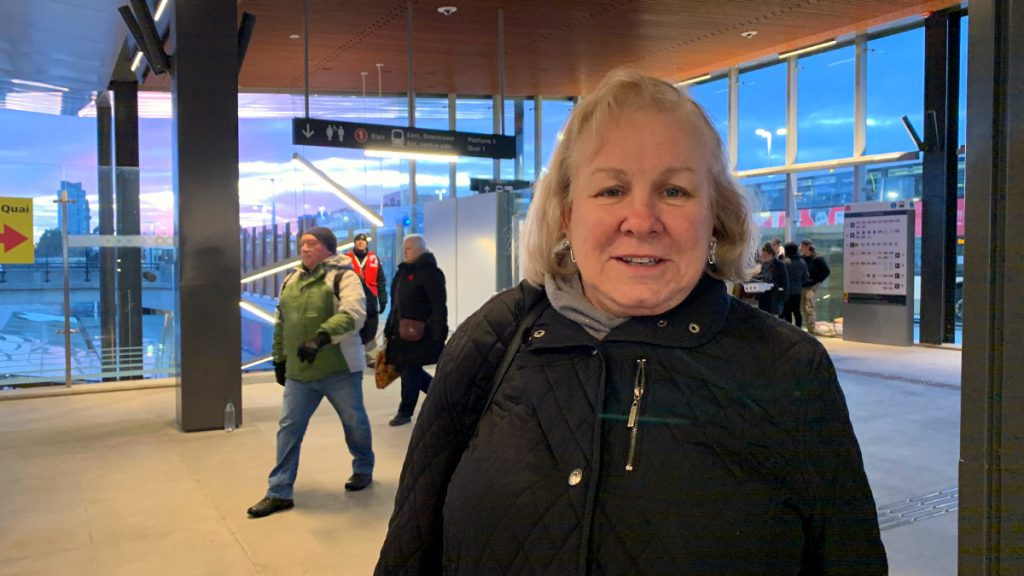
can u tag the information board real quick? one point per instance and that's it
(877, 265)
(878, 272)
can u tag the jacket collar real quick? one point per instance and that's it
(427, 259)
(692, 323)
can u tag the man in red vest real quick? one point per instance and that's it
(367, 266)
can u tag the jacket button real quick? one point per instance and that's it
(662, 323)
(694, 328)
(575, 477)
(538, 333)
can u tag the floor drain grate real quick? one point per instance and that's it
(918, 508)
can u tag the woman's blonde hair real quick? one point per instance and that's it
(543, 243)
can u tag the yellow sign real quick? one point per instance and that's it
(16, 231)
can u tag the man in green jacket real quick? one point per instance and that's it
(318, 353)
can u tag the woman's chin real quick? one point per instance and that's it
(637, 303)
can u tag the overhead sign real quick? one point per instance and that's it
(485, 185)
(16, 231)
(338, 134)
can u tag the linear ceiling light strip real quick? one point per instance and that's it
(340, 191)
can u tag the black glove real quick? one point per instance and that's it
(309, 348)
(279, 372)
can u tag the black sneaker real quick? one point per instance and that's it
(358, 482)
(268, 505)
(399, 420)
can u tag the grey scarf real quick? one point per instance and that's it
(566, 296)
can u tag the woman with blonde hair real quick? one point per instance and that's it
(618, 412)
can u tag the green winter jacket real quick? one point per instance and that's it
(307, 305)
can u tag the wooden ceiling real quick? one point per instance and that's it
(552, 47)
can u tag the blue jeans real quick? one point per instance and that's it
(345, 393)
(414, 381)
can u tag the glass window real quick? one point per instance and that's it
(432, 113)
(554, 115)
(893, 182)
(895, 88)
(376, 181)
(822, 190)
(825, 109)
(762, 117)
(767, 192)
(432, 178)
(713, 97)
(473, 115)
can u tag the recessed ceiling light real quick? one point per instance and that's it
(749, 34)
(295, 36)
(447, 10)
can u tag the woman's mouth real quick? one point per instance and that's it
(640, 260)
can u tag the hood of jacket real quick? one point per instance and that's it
(426, 259)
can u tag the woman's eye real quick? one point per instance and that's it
(613, 192)
(676, 192)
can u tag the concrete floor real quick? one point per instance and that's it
(104, 484)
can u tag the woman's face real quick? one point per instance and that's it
(639, 219)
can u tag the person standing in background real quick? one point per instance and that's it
(773, 271)
(817, 272)
(367, 266)
(796, 269)
(417, 325)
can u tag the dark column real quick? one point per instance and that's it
(108, 257)
(128, 260)
(939, 167)
(520, 113)
(992, 428)
(205, 92)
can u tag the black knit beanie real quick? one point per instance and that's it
(325, 236)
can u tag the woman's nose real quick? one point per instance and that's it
(643, 215)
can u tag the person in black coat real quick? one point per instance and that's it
(796, 269)
(773, 271)
(644, 422)
(417, 325)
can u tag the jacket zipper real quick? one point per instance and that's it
(632, 423)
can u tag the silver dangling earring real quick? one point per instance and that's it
(712, 247)
(563, 244)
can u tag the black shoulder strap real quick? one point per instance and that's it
(534, 308)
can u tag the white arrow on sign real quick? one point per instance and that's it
(307, 131)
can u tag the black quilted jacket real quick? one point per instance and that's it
(738, 457)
